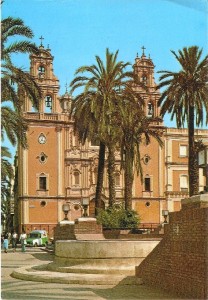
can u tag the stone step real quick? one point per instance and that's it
(127, 270)
(32, 274)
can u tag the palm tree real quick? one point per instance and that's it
(102, 85)
(15, 82)
(186, 98)
(13, 126)
(137, 130)
(86, 129)
(7, 174)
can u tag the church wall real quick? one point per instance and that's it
(151, 169)
(148, 210)
(176, 150)
(49, 167)
(42, 214)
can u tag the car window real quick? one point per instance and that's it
(34, 235)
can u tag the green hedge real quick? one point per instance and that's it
(114, 217)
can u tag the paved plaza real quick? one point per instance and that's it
(12, 288)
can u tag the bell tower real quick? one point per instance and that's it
(41, 180)
(41, 68)
(144, 70)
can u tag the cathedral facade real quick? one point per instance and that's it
(56, 169)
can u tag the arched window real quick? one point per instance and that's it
(41, 71)
(150, 109)
(48, 104)
(144, 79)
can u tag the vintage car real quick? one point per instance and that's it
(37, 238)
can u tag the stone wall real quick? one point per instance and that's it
(180, 262)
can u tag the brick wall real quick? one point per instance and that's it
(64, 232)
(88, 227)
(180, 262)
(80, 227)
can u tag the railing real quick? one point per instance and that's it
(177, 194)
(48, 227)
(45, 116)
(142, 227)
(149, 226)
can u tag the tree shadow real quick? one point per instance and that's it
(130, 289)
(43, 256)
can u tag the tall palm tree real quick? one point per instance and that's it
(7, 174)
(87, 129)
(102, 84)
(186, 98)
(137, 130)
(15, 81)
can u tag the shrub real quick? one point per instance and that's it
(114, 217)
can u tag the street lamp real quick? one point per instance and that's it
(203, 163)
(66, 209)
(165, 213)
(85, 203)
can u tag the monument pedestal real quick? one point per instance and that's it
(84, 228)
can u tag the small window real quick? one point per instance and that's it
(146, 159)
(76, 207)
(42, 158)
(76, 178)
(183, 150)
(184, 183)
(95, 175)
(43, 203)
(147, 204)
(147, 184)
(42, 183)
(117, 179)
(48, 104)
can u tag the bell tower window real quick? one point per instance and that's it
(41, 71)
(150, 110)
(144, 79)
(48, 104)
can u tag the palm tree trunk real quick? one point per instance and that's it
(128, 178)
(192, 163)
(99, 186)
(111, 176)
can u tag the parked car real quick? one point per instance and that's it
(37, 238)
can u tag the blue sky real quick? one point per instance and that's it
(77, 30)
